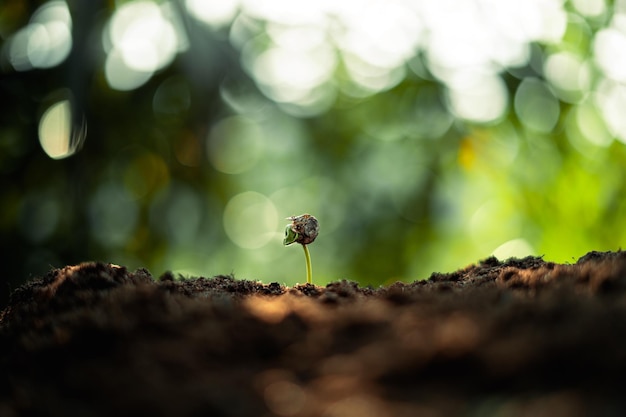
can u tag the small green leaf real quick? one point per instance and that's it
(290, 236)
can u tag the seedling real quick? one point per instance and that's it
(303, 230)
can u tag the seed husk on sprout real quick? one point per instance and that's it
(303, 230)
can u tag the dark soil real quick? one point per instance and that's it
(522, 337)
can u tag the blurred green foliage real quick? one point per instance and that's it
(422, 136)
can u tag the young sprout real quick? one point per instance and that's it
(303, 230)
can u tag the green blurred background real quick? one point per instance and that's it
(178, 135)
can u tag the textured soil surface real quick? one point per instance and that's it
(521, 337)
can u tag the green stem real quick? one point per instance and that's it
(309, 273)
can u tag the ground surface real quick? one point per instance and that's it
(517, 338)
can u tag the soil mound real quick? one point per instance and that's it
(521, 337)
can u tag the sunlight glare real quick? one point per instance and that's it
(373, 41)
(286, 12)
(383, 34)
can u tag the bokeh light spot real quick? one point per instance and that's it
(141, 38)
(214, 13)
(383, 34)
(145, 173)
(177, 213)
(589, 8)
(188, 149)
(429, 118)
(235, 145)
(120, 76)
(610, 53)
(18, 55)
(146, 39)
(58, 137)
(113, 215)
(172, 96)
(611, 99)
(592, 126)
(301, 38)
(53, 11)
(482, 100)
(55, 130)
(49, 45)
(537, 108)
(289, 75)
(369, 79)
(46, 41)
(569, 74)
(518, 248)
(250, 220)
(286, 11)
